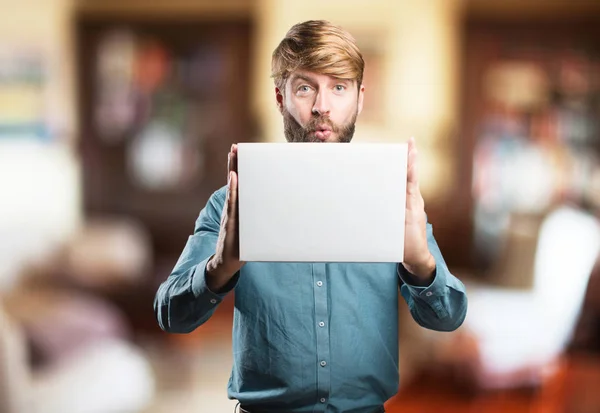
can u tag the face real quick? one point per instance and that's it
(319, 108)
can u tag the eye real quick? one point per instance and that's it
(340, 88)
(303, 89)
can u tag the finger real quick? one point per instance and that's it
(233, 189)
(234, 158)
(413, 168)
(411, 147)
(234, 228)
(229, 163)
(232, 205)
(411, 144)
(224, 211)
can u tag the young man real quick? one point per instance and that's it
(312, 337)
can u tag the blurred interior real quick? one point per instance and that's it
(115, 120)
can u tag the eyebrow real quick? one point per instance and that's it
(308, 79)
(303, 77)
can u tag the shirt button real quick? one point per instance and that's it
(213, 301)
(321, 324)
(428, 293)
(323, 363)
(319, 283)
(322, 399)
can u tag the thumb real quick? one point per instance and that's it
(413, 164)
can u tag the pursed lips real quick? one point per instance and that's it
(322, 132)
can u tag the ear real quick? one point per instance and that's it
(279, 99)
(361, 97)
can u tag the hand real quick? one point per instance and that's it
(417, 257)
(226, 261)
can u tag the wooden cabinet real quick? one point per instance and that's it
(530, 129)
(161, 102)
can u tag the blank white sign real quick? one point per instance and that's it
(322, 202)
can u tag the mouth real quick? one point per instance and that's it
(322, 132)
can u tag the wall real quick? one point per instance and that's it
(39, 181)
(419, 92)
(419, 73)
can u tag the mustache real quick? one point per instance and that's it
(319, 121)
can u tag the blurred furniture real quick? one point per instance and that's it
(109, 253)
(61, 330)
(587, 334)
(515, 265)
(520, 333)
(162, 99)
(40, 203)
(13, 371)
(529, 135)
(104, 375)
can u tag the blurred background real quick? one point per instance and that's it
(115, 120)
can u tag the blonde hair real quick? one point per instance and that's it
(317, 46)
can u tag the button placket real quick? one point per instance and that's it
(322, 333)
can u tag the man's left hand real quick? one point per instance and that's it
(417, 258)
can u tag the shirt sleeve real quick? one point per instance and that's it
(440, 306)
(183, 301)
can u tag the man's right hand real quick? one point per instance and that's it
(226, 262)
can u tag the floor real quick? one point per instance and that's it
(193, 381)
(192, 378)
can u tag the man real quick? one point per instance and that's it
(312, 337)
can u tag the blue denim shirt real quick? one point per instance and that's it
(308, 337)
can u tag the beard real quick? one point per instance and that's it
(294, 132)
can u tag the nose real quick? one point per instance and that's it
(321, 105)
